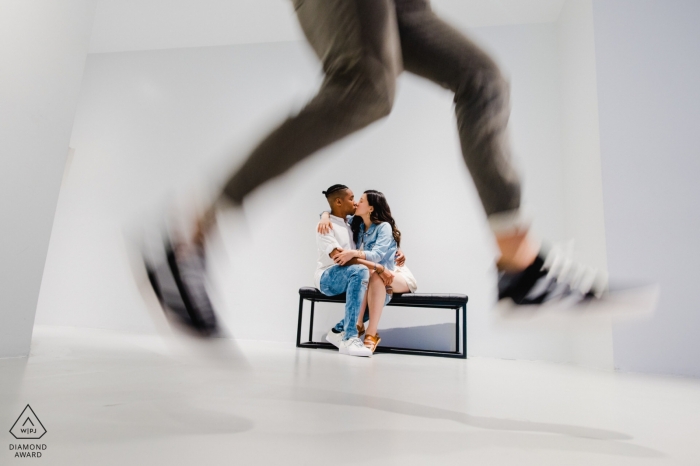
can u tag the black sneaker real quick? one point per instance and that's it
(538, 284)
(557, 284)
(179, 284)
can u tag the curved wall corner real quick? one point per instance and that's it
(43, 47)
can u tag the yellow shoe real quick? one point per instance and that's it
(372, 341)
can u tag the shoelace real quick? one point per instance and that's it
(356, 342)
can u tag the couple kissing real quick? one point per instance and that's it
(358, 254)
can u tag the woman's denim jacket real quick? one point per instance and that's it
(378, 243)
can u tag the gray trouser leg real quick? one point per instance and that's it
(362, 44)
(435, 50)
(357, 42)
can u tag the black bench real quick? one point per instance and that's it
(440, 301)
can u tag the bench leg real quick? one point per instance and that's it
(456, 330)
(464, 331)
(311, 323)
(301, 314)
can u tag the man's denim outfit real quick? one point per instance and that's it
(351, 280)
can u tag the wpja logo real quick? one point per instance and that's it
(28, 427)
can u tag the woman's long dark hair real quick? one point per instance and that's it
(381, 213)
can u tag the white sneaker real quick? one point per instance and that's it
(335, 338)
(354, 347)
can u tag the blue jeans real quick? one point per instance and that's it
(351, 280)
(340, 326)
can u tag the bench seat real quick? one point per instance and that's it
(458, 302)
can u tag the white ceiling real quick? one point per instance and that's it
(122, 25)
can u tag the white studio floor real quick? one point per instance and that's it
(110, 398)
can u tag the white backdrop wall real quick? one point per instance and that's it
(43, 46)
(158, 124)
(648, 64)
(580, 132)
(129, 25)
(583, 193)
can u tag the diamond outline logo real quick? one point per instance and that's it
(27, 416)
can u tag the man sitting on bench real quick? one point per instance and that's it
(332, 279)
(378, 252)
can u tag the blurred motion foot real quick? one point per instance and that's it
(557, 284)
(179, 282)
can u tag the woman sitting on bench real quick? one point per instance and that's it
(377, 239)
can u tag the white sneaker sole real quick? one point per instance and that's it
(630, 304)
(346, 352)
